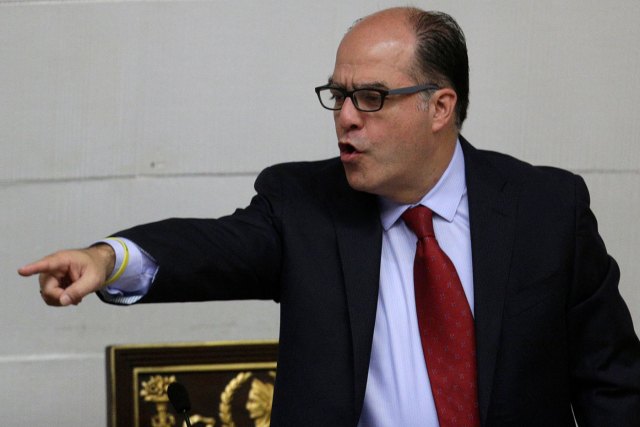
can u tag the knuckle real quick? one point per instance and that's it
(49, 300)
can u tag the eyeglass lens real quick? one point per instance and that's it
(364, 99)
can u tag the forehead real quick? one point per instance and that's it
(381, 50)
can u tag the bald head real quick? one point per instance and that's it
(384, 41)
(435, 42)
(388, 29)
(394, 15)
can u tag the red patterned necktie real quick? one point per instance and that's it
(446, 326)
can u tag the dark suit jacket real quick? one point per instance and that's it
(552, 330)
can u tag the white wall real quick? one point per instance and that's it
(118, 112)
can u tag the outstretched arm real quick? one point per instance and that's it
(66, 277)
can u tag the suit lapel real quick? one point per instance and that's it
(492, 211)
(359, 236)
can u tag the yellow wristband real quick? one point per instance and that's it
(124, 264)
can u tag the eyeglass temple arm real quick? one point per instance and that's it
(412, 89)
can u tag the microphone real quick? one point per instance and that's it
(179, 399)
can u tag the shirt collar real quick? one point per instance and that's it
(443, 199)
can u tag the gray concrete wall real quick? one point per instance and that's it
(118, 112)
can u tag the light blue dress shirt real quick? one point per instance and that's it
(398, 391)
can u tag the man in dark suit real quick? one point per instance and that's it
(551, 335)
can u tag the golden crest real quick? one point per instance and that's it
(155, 389)
(258, 403)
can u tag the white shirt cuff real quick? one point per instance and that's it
(132, 275)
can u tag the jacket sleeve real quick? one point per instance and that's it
(233, 257)
(604, 348)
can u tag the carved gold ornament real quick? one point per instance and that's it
(227, 397)
(259, 403)
(195, 419)
(155, 390)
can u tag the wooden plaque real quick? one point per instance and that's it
(229, 383)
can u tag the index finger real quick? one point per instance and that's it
(40, 266)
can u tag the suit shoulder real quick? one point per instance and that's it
(525, 173)
(307, 177)
(304, 169)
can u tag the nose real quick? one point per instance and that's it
(348, 117)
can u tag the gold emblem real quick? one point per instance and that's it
(227, 397)
(155, 390)
(259, 403)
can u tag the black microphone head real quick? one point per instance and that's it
(179, 397)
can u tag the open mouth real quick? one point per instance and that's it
(346, 148)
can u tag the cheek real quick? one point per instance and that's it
(335, 125)
(393, 144)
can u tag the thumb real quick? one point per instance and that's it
(86, 284)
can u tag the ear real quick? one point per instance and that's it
(444, 103)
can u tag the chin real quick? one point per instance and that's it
(361, 179)
(359, 183)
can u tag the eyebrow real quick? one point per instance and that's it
(367, 85)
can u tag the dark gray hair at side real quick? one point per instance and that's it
(441, 55)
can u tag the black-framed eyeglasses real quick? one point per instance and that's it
(367, 100)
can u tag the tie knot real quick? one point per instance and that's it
(419, 220)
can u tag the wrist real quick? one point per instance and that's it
(105, 257)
